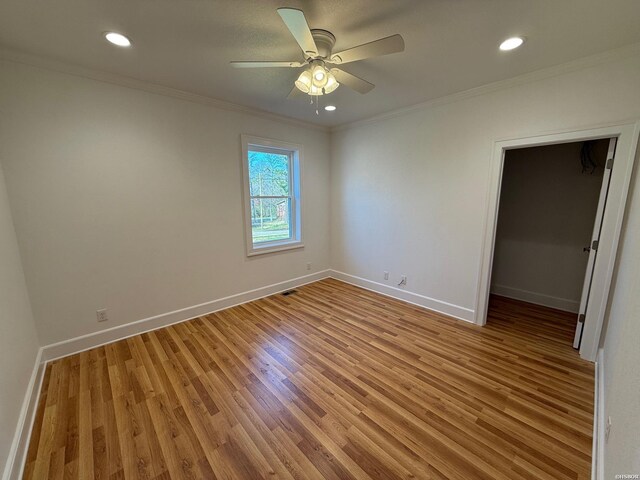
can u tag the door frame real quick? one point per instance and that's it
(627, 135)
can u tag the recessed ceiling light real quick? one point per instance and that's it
(330, 108)
(511, 43)
(117, 39)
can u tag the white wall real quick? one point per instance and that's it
(621, 353)
(546, 217)
(132, 201)
(18, 339)
(410, 191)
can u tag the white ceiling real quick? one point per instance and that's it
(451, 45)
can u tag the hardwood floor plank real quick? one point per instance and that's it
(332, 382)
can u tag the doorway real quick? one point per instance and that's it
(627, 141)
(552, 200)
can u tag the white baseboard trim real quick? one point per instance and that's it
(17, 454)
(599, 429)
(109, 335)
(461, 313)
(538, 298)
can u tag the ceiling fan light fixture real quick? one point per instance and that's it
(332, 83)
(304, 83)
(307, 83)
(315, 91)
(320, 75)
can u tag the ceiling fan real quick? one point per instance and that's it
(317, 47)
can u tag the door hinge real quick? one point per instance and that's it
(610, 163)
(581, 318)
(594, 245)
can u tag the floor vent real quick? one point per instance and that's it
(288, 292)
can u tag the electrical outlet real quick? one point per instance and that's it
(386, 275)
(309, 266)
(101, 315)
(403, 280)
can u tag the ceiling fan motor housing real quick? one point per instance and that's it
(325, 41)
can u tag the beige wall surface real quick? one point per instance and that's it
(409, 192)
(621, 352)
(132, 201)
(18, 338)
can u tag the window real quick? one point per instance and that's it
(271, 195)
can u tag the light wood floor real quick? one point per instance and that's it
(331, 382)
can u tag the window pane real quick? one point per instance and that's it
(268, 174)
(270, 219)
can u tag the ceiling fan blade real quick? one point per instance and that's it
(384, 46)
(265, 64)
(295, 93)
(299, 28)
(351, 81)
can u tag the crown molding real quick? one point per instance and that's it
(556, 70)
(15, 56)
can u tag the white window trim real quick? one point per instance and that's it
(295, 172)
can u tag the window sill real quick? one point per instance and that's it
(280, 247)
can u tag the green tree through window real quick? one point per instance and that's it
(269, 188)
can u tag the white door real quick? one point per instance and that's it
(593, 247)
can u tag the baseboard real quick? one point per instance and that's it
(559, 303)
(17, 454)
(93, 340)
(599, 429)
(439, 306)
